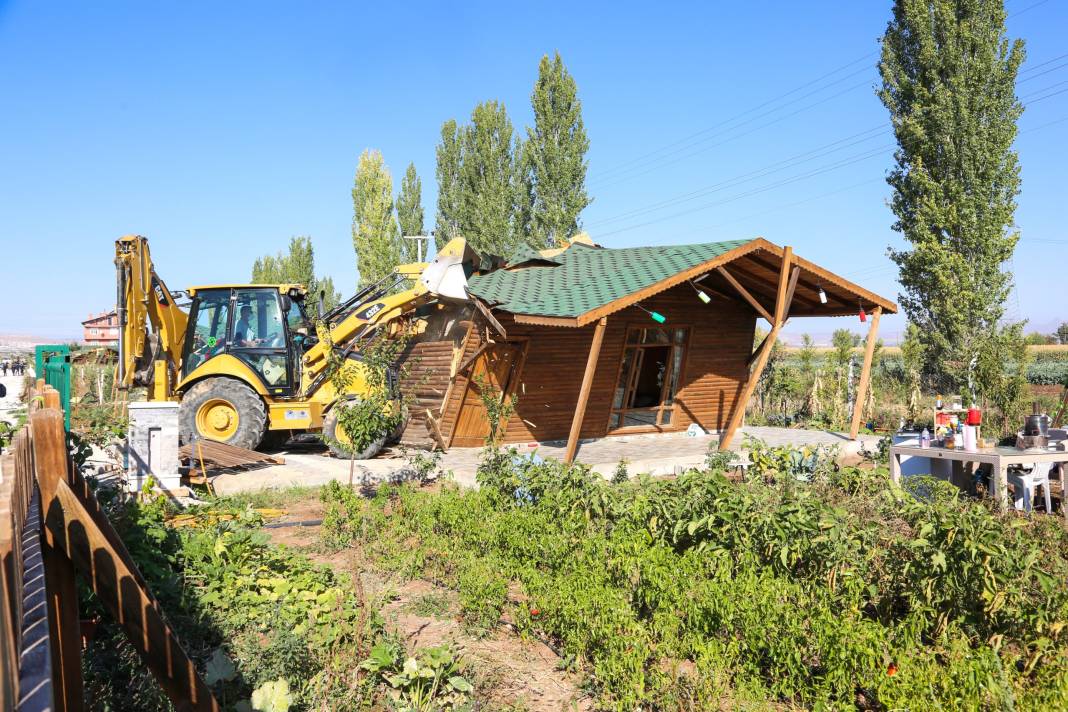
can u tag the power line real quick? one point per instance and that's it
(703, 131)
(834, 146)
(794, 161)
(684, 153)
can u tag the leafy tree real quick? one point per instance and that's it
(296, 267)
(410, 212)
(490, 179)
(556, 153)
(1037, 338)
(948, 80)
(450, 189)
(1062, 332)
(374, 230)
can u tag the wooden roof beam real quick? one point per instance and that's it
(745, 294)
(782, 307)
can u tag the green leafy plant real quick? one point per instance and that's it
(428, 681)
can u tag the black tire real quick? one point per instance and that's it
(249, 407)
(330, 436)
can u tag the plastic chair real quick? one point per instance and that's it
(1024, 483)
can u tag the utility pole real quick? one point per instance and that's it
(419, 243)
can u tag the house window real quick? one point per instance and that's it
(648, 378)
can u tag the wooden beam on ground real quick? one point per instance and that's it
(745, 294)
(865, 373)
(584, 391)
(782, 307)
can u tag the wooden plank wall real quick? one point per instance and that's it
(427, 370)
(721, 340)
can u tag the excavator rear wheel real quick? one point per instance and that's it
(224, 410)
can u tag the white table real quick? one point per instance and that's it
(999, 458)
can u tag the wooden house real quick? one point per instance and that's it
(596, 342)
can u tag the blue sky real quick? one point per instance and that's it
(219, 130)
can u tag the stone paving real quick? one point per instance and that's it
(660, 454)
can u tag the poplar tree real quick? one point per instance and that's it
(374, 230)
(296, 267)
(450, 190)
(556, 153)
(948, 80)
(410, 213)
(489, 180)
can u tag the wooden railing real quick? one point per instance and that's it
(52, 529)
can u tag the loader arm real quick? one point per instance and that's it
(374, 308)
(151, 324)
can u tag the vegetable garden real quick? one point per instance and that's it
(822, 588)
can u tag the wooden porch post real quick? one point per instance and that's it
(865, 373)
(782, 310)
(584, 391)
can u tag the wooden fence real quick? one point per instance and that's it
(52, 529)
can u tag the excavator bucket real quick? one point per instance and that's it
(447, 275)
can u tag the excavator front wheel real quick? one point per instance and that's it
(225, 410)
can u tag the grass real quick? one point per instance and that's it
(434, 604)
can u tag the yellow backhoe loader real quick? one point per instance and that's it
(245, 361)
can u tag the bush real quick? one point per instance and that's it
(839, 591)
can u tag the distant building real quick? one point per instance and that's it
(101, 328)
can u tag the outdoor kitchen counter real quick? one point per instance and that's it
(999, 458)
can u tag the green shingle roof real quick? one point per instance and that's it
(589, 277)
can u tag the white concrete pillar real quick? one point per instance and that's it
(152, 445)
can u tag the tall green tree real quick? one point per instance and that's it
(490, 180)
(410, 212)
(374, 230)
(450, 188)
(556, 152)
(948, 80)
(296, 267)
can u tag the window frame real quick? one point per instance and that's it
(658, 425)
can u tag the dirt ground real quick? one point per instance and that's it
(508, 672)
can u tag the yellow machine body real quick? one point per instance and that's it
(240, 387)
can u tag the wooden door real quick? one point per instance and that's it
(497, 368)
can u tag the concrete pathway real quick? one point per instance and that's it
(652, 454)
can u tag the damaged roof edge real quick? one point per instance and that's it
(648, 290)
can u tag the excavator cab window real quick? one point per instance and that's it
(259, 336)
(209, 323)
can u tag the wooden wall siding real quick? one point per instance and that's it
(721, 340)
(428, 361)
(426, 383)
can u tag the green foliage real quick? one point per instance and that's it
(450, 204)
(374, 230)
(98, 425)
(410, 213)
(482, 596)
(556, 152)
(949, 75)
(717, 460)
(776, 592)
(296, 267)
(427, 682)
(499, 410)
(273, 696)
(1062, 333)
(380, 410)
(491, 180)
(255, 616)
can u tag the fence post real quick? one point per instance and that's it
(50, 463)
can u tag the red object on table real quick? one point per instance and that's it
(975, 417)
